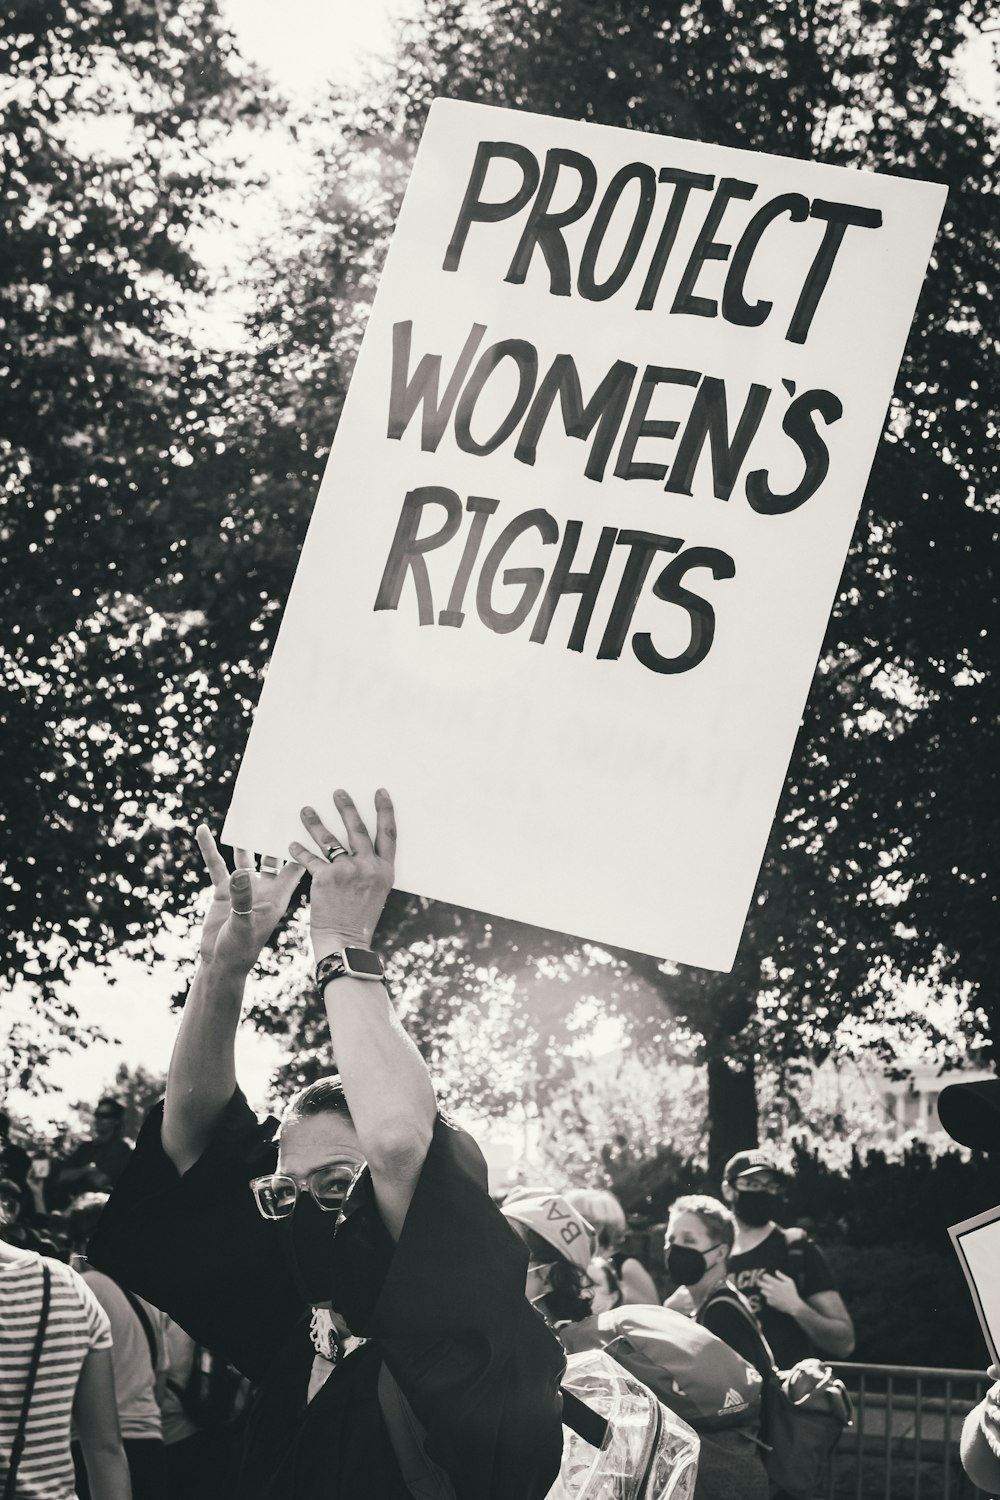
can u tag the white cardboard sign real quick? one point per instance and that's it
(977, 1245)
(584, 518)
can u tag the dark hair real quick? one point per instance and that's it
(569, 1296)
(325, 1096)
(111, 1107)
(4, 1122)
(83, 1216)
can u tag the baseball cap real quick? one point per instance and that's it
(970, 1113)
(558, 1222)
(745, 1163)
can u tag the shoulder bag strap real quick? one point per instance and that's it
(795, 1246)
(734, 1299)
(21, 1435)
(583, 1419)
(146, 1325)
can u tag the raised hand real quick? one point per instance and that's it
(350, 882)
(245, 908)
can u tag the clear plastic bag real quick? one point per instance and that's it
(648, 1453)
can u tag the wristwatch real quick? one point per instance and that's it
(359, 963)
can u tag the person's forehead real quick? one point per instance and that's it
(308, 1143)
(687, 1226)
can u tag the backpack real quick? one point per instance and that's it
(692, 1372)
(214, 1393)
(620, 1442)
(805, 1411)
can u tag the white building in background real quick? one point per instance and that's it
(911, 1103)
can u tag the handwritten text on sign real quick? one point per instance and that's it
(618, 399)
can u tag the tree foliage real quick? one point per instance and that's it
(114, 116)
(179, 522)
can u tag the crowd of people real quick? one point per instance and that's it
(333, 1304)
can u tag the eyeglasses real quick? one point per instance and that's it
(276, 1193)
(753, 1184)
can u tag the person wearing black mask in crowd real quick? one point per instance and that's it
(970, 1113)
(699, 1239)
(782, 1274)
(349, 1262)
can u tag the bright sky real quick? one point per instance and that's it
(306, 43)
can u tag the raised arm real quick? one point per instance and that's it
(245, 909)
(388, 1088)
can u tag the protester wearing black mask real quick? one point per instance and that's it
(782, 1274)
(700, 1234)
(241, 1231)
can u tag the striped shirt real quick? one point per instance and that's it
(76, 1325)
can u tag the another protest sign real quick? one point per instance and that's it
(584, 519)
(977, 1245)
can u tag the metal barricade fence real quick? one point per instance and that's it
(904, 1444)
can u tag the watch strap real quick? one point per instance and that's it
(330, 967)
(334, 966)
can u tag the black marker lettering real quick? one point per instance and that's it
(705, 248)
(735, 308)
(481, 509)
(525, 356)
(604, 410)
(669, 588)
(709, 419)
(587, 584)
(545, 229)
(407, 552)
(406, 393)
(644, 547)
(530, 578)
(586, 280)
(839, 217)
(799, 425)
(474, 210)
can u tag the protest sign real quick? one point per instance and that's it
(584, 519)
(977, 1245)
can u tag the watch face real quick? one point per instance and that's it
(363, 961)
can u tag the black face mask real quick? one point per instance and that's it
(685, 1265)
(755, 1209)
(308, 1238)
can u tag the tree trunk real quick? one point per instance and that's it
(732, 1111)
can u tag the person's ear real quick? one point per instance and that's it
(728, 1192)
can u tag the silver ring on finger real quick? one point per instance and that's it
(334, 852)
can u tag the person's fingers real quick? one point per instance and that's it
(286, 880)
(241, 894)
(385, 828)
(357, 833)
(245, 860)
(318, 830)
(306, 857)
(216, 866)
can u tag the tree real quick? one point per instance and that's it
(878, 865)
(114, 120)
